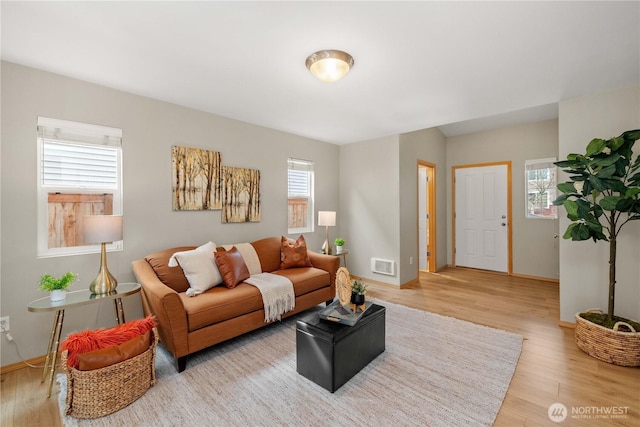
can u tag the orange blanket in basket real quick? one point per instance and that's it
(86, 341)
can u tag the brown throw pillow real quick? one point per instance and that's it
(294, 254)
(115, 354)
(231, 266)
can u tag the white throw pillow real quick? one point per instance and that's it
(199, 265)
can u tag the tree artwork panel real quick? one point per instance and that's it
(196, 180)
(240, 195)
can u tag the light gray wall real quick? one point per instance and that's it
(428, 145)
(584, 265)
(370, 205)
(150, 128)
(378, 201)
(535, 251)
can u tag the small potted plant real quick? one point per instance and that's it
(358, 289)
(339, 242)
(57, 286)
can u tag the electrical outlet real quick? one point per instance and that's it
(4, 324)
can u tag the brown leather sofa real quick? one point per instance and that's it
(189, 324)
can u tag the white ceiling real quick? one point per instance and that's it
(417, 64)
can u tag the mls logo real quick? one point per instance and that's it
(557, 412)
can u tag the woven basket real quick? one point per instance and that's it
(100, 392)
(609, 345)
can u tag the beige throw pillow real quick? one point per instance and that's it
(199, 265)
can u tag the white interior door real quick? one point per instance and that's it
(481, 214)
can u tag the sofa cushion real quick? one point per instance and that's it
(115, 354)
(268, 251)
(173, 277)
(294, 254)
(219, 304)
(199, 265)
(306, 279)
(231, 266)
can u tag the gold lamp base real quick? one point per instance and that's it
(104, 283)
(326, 246)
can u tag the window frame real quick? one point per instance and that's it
(307, 166)
(550, 190)
(89, 133)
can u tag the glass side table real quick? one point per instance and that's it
(75, 299)
(342, 254)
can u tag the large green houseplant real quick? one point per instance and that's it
(601, 197)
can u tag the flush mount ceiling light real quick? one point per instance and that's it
(329, 65)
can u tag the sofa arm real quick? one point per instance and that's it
(328, 263)
(164, 303)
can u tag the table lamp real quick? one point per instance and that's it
(102, 229)
(326, 219)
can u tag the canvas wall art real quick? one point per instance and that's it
(240, 195)
(196, 179)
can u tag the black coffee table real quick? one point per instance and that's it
(330, 354)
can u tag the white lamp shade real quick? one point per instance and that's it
(326, 218)
(102, 228)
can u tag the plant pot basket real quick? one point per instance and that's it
(100, 392)
(609, 345)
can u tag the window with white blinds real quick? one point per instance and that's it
(79, 174)
(300, 200)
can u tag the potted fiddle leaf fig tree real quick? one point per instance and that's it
(601, 197)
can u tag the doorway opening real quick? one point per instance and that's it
(427, 217)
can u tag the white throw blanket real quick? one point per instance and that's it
(277, 294)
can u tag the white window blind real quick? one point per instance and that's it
(77, 155)
(75, 165)
(300, 178)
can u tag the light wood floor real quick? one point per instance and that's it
(551, 368)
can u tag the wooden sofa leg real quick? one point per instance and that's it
(182, 363)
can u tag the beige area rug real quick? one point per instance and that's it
(436, 371)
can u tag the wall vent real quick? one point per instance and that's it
(383, 266)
